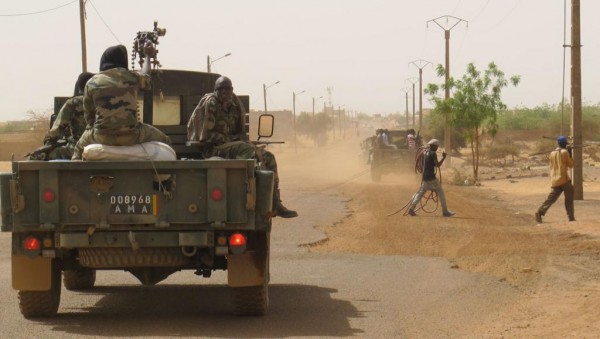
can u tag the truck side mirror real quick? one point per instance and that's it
(265, 125)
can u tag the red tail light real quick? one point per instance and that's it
(216, 194)
(237, 239)
(32, 243)
(49, 196)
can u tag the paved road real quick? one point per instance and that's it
(312, 295)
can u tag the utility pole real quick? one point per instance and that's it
(420, 64)
(413, 81)
(340, 119)
(294, 94)
(83, 43)
(265, 96)
(329, 91)
(406, 111)
(210, 61)
(265, 93)
(447, 27)
(576, 100)
(314, 124)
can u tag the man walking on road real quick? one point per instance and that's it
(430, 181)
(560, 162)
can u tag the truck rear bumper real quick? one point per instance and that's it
(135, 239)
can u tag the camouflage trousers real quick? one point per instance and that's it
(137, 135)
(246, 150)
(62, 152)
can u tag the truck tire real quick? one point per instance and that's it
(126, 257)
(42, 303)
(82, 279)
(254, 300)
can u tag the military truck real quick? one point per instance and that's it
(149, 218)
(386, 160)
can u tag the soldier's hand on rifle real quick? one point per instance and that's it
(50, 141)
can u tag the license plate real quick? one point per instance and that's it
(134, 204)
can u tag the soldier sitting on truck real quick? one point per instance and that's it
(382, 140)
(218, 123)
(66, 128)
(110, 103)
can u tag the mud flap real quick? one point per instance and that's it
(248, 269)
(265, 184)
(31, 274)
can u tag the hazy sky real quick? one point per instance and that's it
(362, 49)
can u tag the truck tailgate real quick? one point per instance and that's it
(72, 195)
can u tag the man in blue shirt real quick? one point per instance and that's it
(430, 181)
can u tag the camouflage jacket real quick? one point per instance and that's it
(216, 123)
(110, 99)
(69, 122)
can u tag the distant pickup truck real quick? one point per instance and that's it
(77, 218)
(385, 160)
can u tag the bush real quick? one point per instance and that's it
(457, 178)
(501, 152)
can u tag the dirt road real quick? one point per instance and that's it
(554, 266)
(347, 268)
(312, 295)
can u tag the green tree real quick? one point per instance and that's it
(474, 105)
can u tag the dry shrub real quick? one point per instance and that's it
(458, 178)
(544, 146)
(500, 154)
(593, 151)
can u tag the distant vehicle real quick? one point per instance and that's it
(388, 160)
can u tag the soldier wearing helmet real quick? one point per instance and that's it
(218, 123)
(430, 181)
(560, 161)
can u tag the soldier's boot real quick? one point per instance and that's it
(279, 209)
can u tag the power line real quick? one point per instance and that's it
(504, 17)
(481, 11)
(104, 22)
(454, 10)
(40, 12)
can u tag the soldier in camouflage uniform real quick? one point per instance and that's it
(110, 104)
(66, 129)
(218, 123)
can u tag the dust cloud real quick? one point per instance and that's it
(339, 164)
(493, 233)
